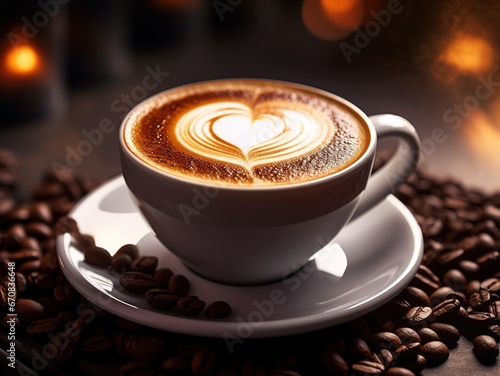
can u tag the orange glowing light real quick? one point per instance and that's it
(346, 14)
(316, 21)
(22, 60)
(468, 54)
(483, 137)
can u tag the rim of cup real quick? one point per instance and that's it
(153, 100)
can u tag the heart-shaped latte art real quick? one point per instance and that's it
(267, 133)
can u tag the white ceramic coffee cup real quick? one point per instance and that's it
(252, 235)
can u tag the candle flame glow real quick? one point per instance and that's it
(483, 137)
(22, 60)
(346, 14)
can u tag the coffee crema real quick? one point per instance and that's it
(247, 133)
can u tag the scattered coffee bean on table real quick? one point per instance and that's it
(455, 292)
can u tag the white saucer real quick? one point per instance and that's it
(372, 260)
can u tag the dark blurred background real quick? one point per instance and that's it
(71, 69)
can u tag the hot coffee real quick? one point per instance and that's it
(247, 133)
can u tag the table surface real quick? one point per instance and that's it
(395, 73)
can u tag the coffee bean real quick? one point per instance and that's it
(29, 310)
(494, 332)
(283, 372)
(472, 287)
(83, 242)
(137, 282)
(480, 301)
(97, 345)
(446, 310)
(20, 257)
(204, 361)
(179, 285)
(367, 368)
(191, 305)
(455, 279)
(384, 340)
(492, 285)
(43, 326)
(128, 249)
(398, 371)
(162, 277)
(427, 335)
(358, 350)
(38, 230)
(418, 317)
(98, 256)
(144, 264)
(480, 320)
(121, 263)
(440, 295)
(415, 296)
(161, 299)
(447, 334)
(61, 348)
(485, 348)
(435, 353)
(176, 363)
(136, 368)
(407, 352)
(424, 283)
(416, 365)
(407, 335)
(218, 310)
(144, 346)
(40, 212)
(335, 363)
(469, 268)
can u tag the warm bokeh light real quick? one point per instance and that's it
(483, 136)
(346, 14)
(22, 60)
(465, 54)
(316, 21)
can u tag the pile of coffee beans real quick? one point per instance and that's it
(137, 274)
(454, 295)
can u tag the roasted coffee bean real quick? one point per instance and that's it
(472, 287)
(458, 295)
(120, 264)
(383, 357)
(283, 372)
(128, 249)
(179, 285)
(480, 301)
(447, 334)
(144, 346)
(64, 225)
(144, 264)
(427, 335)
(415, 296)
(435, 353)
(61, 348)
(38, 230)
(97, 345)
(358, 350)
(469, 268)
(416, 365)
(406, 352)
(20, 257)
(494, 332)
(83, 242)
(335, 363)
(485, 348)
(492, 285)
(494, 309)
(446, 310)
(218, 310)
(450, 258)
(29, 310)
(136, 368)
(161, 299)
(98, 256)
(418, 317)
(162, 277)
(13, 237)
(176, 363)
(204, 361)
(40, 212)
(455, 279)
(407, 335)
(191, 305)
(480, 320)
(29, 266)
(137, 282)
(424, 283)
(440, 295)
(384, 340)
(367, 368)
(43, 326)
(398, 371)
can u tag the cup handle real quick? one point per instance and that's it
(399, 167)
